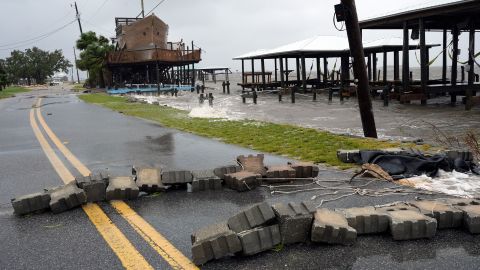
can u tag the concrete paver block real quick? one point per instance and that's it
(215, 248)
(410, 224)
(220, 172)
(446, 216)
(366, 220)
(332, 228)
(253, 163)
(254, 216)
(205, 180)
(464, 155)
(397, 207)
(348, 156)
(94, 186)
(176, 177)
(209, 232)
(149, 180)
(280, 171)
(305, 169)
(471, 218)
(295, 221)
(243, 181)
(122, 188)
(66, 197)
(31, 203)
(259, 239)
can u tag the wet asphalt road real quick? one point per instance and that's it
(104, 139)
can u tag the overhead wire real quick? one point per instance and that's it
(159, 3)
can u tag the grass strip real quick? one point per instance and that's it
(300, 143)
(11, 91)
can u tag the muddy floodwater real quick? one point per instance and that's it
(398, 121)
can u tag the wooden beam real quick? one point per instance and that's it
(444, 57)
(374, 61)
(253, 70)
(453, 96)
(282, 74)
(385, 66)
(471, 63)
(396, 65)
(319, 72)
(263, 73)
(325, 70)
(243, 71)
(405, 58)
(298, 69)
(286, 70)
(369, 67)
(275, 62)
(423, 59)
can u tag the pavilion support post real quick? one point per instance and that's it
(286, 71)
(298, 70)
(405, 59)
(396, 65)
(325, 71)
(357, 52)
(471, 64)
(243, 74)
(453, 95)
(282, 81)
(253, 73)
(369, 67)
(385, 66)
(444, 57)
(304, 75)
(275, 63)
(227, 81)
(428, 65)
(374, 66)
(319, 72)
(423, 61)
(263, 73)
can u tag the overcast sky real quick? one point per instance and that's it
(222, 28)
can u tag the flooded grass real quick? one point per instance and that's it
(295, 142)
(11, 91)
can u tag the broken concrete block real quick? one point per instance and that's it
(259, 239)
(282, 173)
(66, 197)
(31, 203)
(94, 186)
(214, 242)
(446, 216)
(471, 218)
(409, 225)
(149, 179)
(366, 220)
(295, 221)
(205, 180)
(253, 163)
(122, 188)
(463, 155)
(305, 169)
(176, 177)
(332, 228)
(254, 216)
(397, 207)
(220, 172)
(348, 156)
(243, 181)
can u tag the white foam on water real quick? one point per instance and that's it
(451, 183)
(206, 111)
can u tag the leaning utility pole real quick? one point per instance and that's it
(143, 10)
(347, 11)
(78, 18)
(75, 55)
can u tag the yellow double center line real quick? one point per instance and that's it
(126, 252)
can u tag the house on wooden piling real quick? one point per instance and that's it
(451, 19)
(143, 54)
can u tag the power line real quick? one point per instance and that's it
(98, 9)
(155, 7)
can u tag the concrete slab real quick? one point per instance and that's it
(332, 227)
(254, 216)
(149, 179)
(243, 181)
(280, 171)
(305, 169)
(366, 220)
(295, 221)
(253, 163)
(176, 177)
(220, 172)
(409, 225)
(66, 197)
(31, 203)
(259, 239)
(447, 216)
(122, 188)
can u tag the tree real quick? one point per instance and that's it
(3, 75)
(92, 56)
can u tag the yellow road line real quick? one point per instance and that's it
(121, 246)
(172, 255)
(159, 243)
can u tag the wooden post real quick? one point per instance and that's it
(356, 50)
(243, 72)
(193, 67)
(282, 81)
(471, 63)
(298, 70)
(276, 79)
(405, 59)
(263, 73)
(423, 60)
(286, 70)
(396, 65)
(453, 95)
(369, 67)
(385, 67)
(444, 57)
(304, 75)
(319, 72)
(325, 71)
(374, 61)
(253, 73)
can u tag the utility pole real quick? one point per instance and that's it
(347, 11)
(143, 9)
(75, 55)
(78, 18)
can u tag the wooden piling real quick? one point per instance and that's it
(423, 61)
(453, 96)
(374, 63)
(444, 57)
(385, 66)
(262, 61)
(471, 63)
(405, 58)
(304, 75)
(396, 65)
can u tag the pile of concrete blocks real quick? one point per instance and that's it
(66, 197)
(253, 163)
(205, 180)
(279, 174)
(243, 181)
(305, 169)
(261, 227)
(94, 186)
